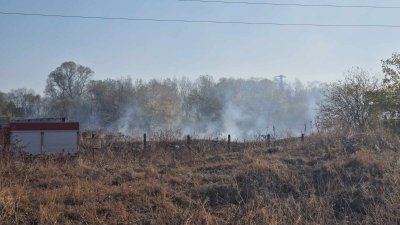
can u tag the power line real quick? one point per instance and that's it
(293, 4)
(200, 21)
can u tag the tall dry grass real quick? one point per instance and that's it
(350, 178)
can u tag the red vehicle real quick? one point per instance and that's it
(36, 136)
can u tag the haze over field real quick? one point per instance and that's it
(148, 67)
(244, 108)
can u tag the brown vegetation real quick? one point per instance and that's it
(328, 179)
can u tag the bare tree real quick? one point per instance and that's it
(66, 86)
(23, 102)
(348, 103)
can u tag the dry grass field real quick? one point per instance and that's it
(328, 179)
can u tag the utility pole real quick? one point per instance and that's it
(280, 78)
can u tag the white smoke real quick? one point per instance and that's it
(245, 109)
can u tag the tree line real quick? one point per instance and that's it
(243, 107)
(202, 106)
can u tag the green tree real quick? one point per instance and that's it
(389, 97)
(109, 97)
(3, 105)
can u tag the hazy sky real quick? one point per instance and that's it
(31, 47)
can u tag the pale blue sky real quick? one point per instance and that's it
(31, 47)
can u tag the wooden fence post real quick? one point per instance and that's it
(229, 142)
(144, 141)
(188, 139)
